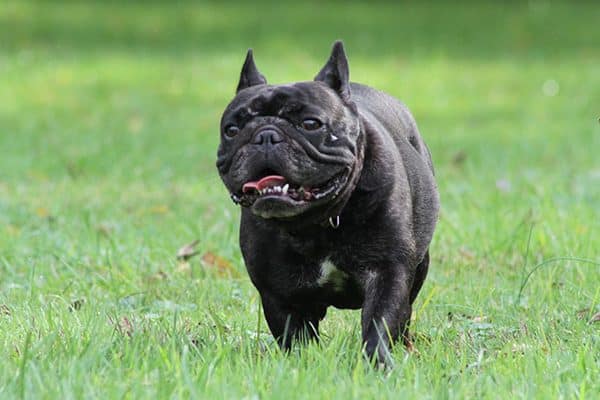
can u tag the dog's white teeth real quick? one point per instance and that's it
(274, 190)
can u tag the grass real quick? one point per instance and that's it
(108, 135)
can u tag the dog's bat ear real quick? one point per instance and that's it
(335, 73)
(250, 75)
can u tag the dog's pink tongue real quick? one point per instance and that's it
(267, 181)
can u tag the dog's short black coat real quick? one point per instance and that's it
(339, 201)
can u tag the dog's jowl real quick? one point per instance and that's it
(338, 201)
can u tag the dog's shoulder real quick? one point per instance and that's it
(390, 116)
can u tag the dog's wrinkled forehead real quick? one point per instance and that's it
(307, 98)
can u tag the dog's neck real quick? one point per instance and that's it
(333, 212)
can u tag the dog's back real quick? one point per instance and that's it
(389, 115)
(392, 114)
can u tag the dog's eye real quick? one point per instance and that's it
(311, 124)
(232, 130)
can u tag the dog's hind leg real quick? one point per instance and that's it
(420, 275)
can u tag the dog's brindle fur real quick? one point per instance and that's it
(378, 257)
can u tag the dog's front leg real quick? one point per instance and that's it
(287, 323)
(386, 311)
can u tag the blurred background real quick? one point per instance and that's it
(136, 88)
(109, 118)
(109, 115)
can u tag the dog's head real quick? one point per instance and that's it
(291, 150)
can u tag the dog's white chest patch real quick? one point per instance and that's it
(330, 274)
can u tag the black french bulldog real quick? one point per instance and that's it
(339, 201)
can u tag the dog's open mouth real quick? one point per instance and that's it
(277, 187)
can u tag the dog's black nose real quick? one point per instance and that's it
(267, 137)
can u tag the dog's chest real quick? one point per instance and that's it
(331, 276)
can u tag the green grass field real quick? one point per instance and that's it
(108, 131)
